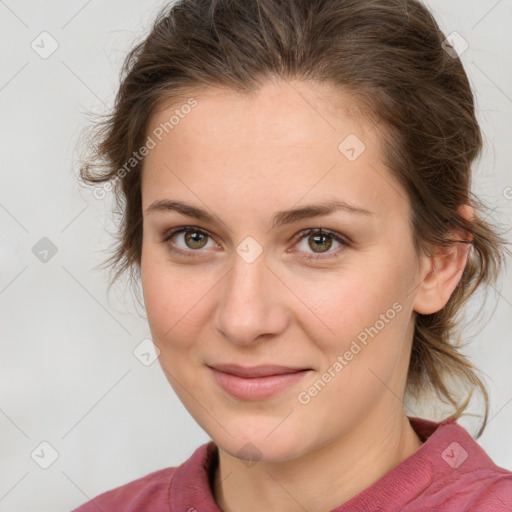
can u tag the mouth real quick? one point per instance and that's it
(256, 382)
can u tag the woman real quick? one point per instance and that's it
(294, 178)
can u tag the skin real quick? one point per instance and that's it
(243, 158)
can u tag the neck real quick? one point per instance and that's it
(320, 480)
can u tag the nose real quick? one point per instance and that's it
(252, 305)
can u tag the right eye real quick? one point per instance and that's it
(192, 239)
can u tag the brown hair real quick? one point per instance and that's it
(390, 54)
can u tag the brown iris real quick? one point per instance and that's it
(195, 239)
(322, 241)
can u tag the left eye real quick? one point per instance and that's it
(320, 241)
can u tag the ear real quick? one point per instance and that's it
(441, 272)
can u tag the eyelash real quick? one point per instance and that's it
(344, 241)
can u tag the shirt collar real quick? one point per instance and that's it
(190, 489)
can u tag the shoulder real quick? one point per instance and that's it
(494, 492)
(462, 475)
(149, 490)
(163, 489)
(485, 490)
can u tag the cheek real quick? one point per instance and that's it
(174, 298)
(343, 304)
(359, 326)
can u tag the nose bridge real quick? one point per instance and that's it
(249, 306)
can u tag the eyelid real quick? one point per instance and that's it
(342, 239)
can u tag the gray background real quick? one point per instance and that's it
(68, 374)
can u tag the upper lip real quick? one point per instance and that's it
(256, 371)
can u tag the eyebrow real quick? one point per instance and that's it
(280, 218)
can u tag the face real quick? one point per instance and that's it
(279, 332)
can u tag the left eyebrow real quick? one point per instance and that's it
(280, 218)
(315, 210)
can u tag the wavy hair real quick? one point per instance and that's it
(393, 57)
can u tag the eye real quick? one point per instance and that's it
(320, 241)
(192, 240)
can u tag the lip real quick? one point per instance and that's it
(256, 382)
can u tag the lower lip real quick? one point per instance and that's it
(256, 388)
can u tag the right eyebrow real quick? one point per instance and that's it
(166, 205)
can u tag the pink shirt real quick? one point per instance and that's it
(449, 473)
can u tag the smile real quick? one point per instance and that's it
(258, 382)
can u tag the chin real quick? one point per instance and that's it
(260, 441)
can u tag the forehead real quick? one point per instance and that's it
(287, 139)
(279, 113)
